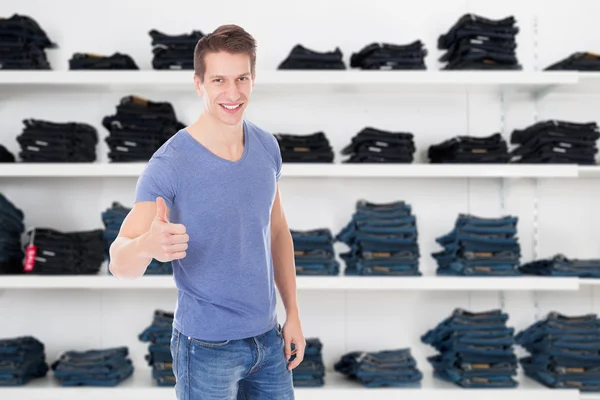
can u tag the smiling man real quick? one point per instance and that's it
(208, 201)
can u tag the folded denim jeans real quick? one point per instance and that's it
(301, 57)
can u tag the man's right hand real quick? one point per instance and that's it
(166, 241)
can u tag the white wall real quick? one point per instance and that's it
(344, 321)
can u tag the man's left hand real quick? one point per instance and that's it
(292, 333)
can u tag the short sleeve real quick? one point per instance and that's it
(158, 179)
(277, 158)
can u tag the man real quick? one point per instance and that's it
(208, 200)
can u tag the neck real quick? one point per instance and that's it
(208, 127)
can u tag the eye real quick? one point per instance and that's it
(218, 80)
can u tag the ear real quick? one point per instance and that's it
(198, 85)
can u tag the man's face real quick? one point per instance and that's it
(227, 85)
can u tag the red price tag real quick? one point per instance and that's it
(30, 254)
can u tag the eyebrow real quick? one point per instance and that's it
(221, 76)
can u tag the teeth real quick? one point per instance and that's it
(231, 107)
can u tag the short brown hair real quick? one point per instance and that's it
(229, 38)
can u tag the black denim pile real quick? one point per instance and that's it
(385, 368)
(556, 142)
(46, 141)
(98, 367)
(313, 148)
(564, 351)
(311, 371)
(470, 149)
(478, 43)
(560, 265)
(89, 61)
(6, 156)
(476, 350)
(301, 57)
(23, 44)
(67, 253)
(159, 357)
(372, 145)
(139, 128)
(387, 56)
(314, 253)
(383, 240)
(113, 218)
(11, 228)
(479, 246)
(22, 359)
(174, 51)
(578, 61)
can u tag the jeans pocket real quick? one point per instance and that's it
(211, 343)
(175, 349)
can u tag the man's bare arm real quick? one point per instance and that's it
(146, 234)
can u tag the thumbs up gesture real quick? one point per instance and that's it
(168, 241)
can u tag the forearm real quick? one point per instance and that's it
(282, 249)
(128, 257)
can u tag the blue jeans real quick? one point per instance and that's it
(247, 369)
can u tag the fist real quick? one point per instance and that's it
(167, 241)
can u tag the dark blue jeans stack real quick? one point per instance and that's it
(311, 371)
(158, 334)
(478, 43)
(112, 219)
(476, 350)
(89, 61)
(22, 359)
(174, 52)
(372, 145)
(560, 265)
(311, 148)
(97, 367)
(67, 253)
(564, 351)
(23, 44)
(385, 368)
(383, 240)
(388, 56)
(11, 228)
(480, 247)
(314, 253)
(577, 61)
(139, 128)
(301, 57)
(556, 142)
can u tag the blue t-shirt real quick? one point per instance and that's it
(225, 283)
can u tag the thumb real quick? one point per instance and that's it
(161, 210)
(288, 349)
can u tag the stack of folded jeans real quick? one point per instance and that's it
(475, 42)
(564, 351)
(11, 229)
(382, 240)
(311, 371)
(556, 142)
(386, 56)
(174, 51)
(89, 61)
(578, 61)
(372, 145)
(480, 247)
(97, 367)
(301, 57)
(23, 43)
(313, 252)
(6, 156)
(470, 149)
(313, 148)
(22, 359)
(476, 350)
(67, 253)
(139, 128)
(386, 368)
(45, 141)
(560, 265)
(159, 357)
(113, 218)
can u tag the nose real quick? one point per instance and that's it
(233, 92)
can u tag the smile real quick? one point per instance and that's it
(231, 108)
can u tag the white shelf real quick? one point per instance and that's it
(300, 79)
(328, 283)
(133, 170)
(589, 282)
(336, 386)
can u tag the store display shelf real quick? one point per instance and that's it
(336, 386)
(116, 170)
(329, 283)
(300, 79)
(589, 282)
